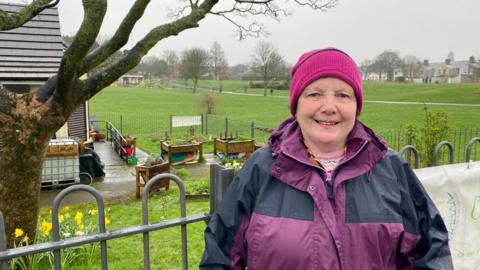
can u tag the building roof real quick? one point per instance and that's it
(33, 51)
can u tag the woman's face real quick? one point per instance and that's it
(326, 113)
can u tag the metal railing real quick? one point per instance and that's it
(219, 183)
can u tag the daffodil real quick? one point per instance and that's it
(61, 218)
(78, 218)
(25, 239)
(46, 228)
(18, 233)
(107, 221)
(92, 212)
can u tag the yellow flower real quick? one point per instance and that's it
(107, 221)
(25, 239)
(46, 228)
(18, 233)
(50, 212)
(92, 212)
(78, 218)
(66, 208)
(67, 215)
(81, 226)
(61, 218)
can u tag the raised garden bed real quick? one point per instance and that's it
(232, 146)
(182, 153)
(144, 173)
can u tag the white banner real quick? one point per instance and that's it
(186, 121)
(455, 189)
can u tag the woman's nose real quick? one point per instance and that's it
(328, 105)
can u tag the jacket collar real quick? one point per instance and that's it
(364, 149)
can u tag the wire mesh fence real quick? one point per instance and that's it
(154, 127)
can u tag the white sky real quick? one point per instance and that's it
(363, 28)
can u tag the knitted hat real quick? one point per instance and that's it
(317, 64)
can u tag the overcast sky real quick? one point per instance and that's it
(363, 28)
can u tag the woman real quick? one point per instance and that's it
(326, 193)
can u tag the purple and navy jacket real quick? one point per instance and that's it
(281, 213)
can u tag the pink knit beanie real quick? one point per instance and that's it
(317, 64)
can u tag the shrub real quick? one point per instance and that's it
(207, 102)
(434, 129)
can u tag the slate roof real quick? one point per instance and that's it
(32, 51)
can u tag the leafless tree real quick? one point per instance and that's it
(218, 63)
(267, 62)
(171, 59)
(28, 121)
(194, 64)
(411, 66)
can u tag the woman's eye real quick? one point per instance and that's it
(313, 94)
(343, 95)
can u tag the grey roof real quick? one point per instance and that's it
(454, 64)
(32, 51)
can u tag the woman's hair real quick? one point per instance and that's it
(317, 64)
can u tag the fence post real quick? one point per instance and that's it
(3, 241)
(252, 130)
(226, 126)
(220, 180)
(206, 124)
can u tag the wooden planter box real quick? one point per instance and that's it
(144, 173)
(233, 147)
(182, 153)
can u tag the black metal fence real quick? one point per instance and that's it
(154, 126)
(219, 181)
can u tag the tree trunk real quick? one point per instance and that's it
(26, 126)
(21, 165)
(195, 81)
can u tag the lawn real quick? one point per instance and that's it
(127, 252)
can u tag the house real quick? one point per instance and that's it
(31, 54)
(375, 76)
(130, 80)
(449, 72)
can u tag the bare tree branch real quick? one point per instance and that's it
(85, 37)
(119, 39)
(322, 5)
(11, 21)
(107, 76)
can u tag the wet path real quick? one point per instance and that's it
(119, 181)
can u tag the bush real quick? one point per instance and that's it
(207, 102)
(424, 138)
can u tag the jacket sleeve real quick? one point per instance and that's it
(425, 243)
(225, 245)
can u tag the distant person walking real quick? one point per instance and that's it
(327, 192)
